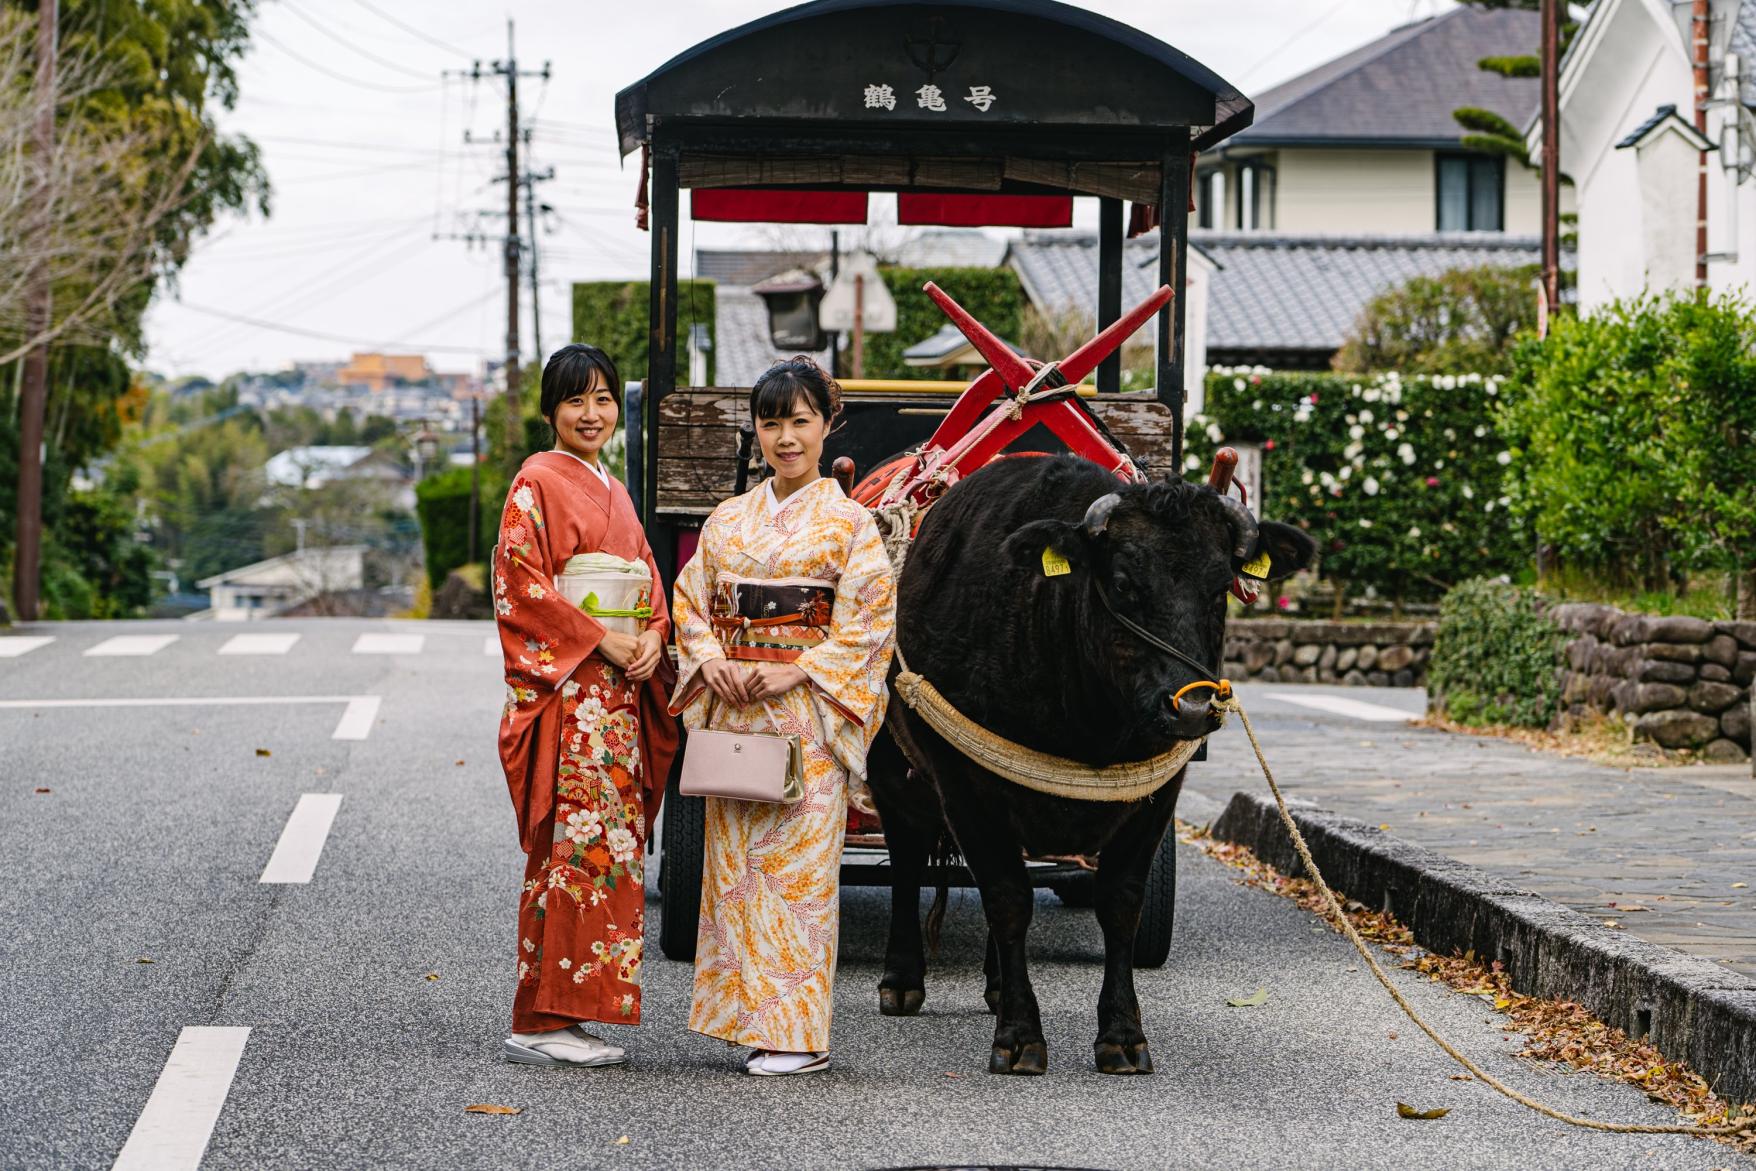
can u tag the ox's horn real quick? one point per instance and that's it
(1098, 515)
(1243, 526)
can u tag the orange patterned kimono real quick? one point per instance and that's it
(771, 883)
(581, 745)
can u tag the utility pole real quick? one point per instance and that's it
(34, 381)
(1551, 157)
(1698, 35)
(512, 245)
(529, 181)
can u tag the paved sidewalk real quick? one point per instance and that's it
(1662, 852)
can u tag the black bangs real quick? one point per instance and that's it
(785, 388)
(569, 372)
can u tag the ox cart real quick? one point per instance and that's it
(974, 113)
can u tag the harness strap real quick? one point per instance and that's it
(1147, 636)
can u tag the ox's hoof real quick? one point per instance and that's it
(1114, 1058)
(1030, 1058)
(992, 997)
(900, 1001)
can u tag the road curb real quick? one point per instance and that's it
(1689, 1008)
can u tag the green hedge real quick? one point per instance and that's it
(1398, 478)
(1635, 436)
(612, 315)
(1497, 658)
(992, 295)
(442, 501)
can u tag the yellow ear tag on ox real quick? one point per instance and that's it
(1054, 565)
(1259, 567)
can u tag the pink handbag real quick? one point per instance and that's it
(743, 766)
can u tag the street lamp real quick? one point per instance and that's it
(426, 451)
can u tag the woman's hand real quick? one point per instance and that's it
(730, 681)
(649, 647)
(619, 648)
(772, 679)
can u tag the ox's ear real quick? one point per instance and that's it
(1049, 547)
(1280, 551)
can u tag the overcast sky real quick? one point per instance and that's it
(363, 138)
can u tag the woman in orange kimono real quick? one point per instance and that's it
(585, 740)
(786, 619)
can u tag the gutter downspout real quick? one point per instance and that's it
(1699, 27)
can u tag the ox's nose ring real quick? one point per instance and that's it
(1222, 690)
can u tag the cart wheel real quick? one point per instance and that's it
(685, 841)
(1078, 890)
(1152, 940)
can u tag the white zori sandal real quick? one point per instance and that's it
(569, 1046)
(764, 1064)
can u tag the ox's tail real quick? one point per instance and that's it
(942, 858)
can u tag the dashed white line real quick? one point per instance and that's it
(184, 701)
(259, 644)
(12, 648)
(389, 644)
(301, 843)
(173, 1130)
(1341, 706)
(356, 720)
(133, 644)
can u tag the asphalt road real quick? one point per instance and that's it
(375, 995)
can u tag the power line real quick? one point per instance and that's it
(412, 30)
(383, 62)
(328, 72)
(320, 335)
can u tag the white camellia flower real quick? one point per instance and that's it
(1414, 530)
(1364, 523)
(1405, 453)
(1468, 492)
(1306, 477)
(1365, 416)
(1504, 458)
(1327, 480)
(1356, 432)
(1239, 384)
(1346, 471)
(1481, 431)
(1214, 434)
(1370, 485)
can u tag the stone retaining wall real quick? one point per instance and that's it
(1358, 654)
(1681, 682)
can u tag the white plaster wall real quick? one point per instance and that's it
(1524, 201)
(1667, 169)
(1355, 192)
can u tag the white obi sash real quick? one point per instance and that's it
(616, 592)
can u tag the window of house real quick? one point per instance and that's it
(1471, 193)
(1210, 198)
(1255, 197)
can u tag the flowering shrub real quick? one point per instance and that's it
(1497, 658)
(1398, 478)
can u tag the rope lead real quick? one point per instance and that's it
(1724, 1130)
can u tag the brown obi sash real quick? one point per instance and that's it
(771, 621)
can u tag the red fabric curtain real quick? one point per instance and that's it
(747, 205)
(985, 211)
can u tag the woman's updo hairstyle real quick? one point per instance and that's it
(784, 384)
(568, 373)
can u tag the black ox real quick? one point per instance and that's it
(1044, 661)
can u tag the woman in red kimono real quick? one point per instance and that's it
(585, 740)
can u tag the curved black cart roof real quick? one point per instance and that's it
(869, 78)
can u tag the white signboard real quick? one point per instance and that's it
(836, 311)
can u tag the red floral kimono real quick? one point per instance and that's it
(583, 747)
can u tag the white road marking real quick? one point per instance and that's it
(184, 701)
(301, 842)
(133, 644)
(389, 644)
(1341, 706)
(491, 645)
(172, 1131)
(259, 644)
(12, 648)
(356, 721)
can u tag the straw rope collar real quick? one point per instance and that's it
(1055, 776)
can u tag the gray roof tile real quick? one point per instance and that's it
(1404, 86)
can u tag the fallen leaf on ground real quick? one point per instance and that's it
(1462, 1077)
(1739, 885)
(1385, 826)
(1612, 923)
(146, 960)
(42, 788)
(460, 764)
(623, 1141)
(954, 1075)
(263, 752)
(431, 976)
(1260, 996)
(490, 1108)
(1392, 1034)
(1404, 1110)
